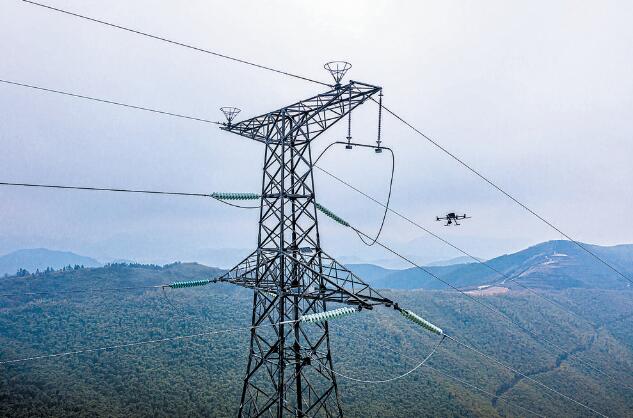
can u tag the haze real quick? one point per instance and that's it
(537, 95)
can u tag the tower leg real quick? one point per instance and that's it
(289, 365)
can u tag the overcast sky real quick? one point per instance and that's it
(537, 95)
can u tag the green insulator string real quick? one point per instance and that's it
(332, 215)
(235, 196)
(254, 196)
(192, 283)
(327, 315)
(416, 319)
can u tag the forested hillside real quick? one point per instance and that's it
(202, 376)
(548, 265)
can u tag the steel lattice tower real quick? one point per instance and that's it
(289, 371)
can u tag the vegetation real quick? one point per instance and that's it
(202, 376)
(554, 265)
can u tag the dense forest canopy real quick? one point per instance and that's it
(202, 376)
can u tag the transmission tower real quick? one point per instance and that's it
(290, 371)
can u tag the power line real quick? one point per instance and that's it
(173, 285)
(215, 332)
(388, 208)
(502, 364)
(584, 248)
(191, 336)
(205, 334)
(109, 189)
(100, 289)
(360, 233)
(357, 231)
(95, 99)
(107, 289)
(393, 168)
(104, 189)
(478, 389)
(401, 376)
(505, 193)
(391, 112)
(510, 368)
(160, 38)
(492, 308)
(132, 344)
(502, 397)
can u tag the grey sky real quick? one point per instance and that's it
(538, 95)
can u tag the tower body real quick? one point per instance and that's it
(289, 367)
(289, 370)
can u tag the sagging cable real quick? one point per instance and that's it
(416, 319)
(391, 379)
(327, 315)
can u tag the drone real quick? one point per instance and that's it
(452, 218)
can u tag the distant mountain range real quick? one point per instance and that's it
(41, 258)
(549, 265)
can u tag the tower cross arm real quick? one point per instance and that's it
(306, 119)
(321, 277)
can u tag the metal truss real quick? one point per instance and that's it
(289, 371)
(320, 277)
(306, 119)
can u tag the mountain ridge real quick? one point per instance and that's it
(33, 259)
(553, 264)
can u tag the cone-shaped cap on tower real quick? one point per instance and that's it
(230, 113)
(337, 69)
